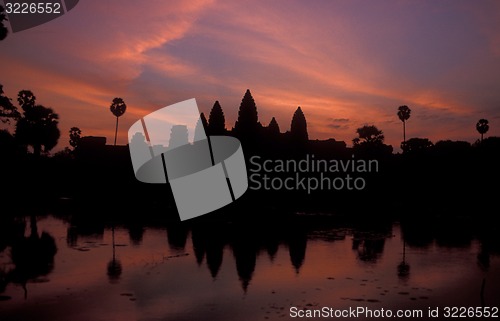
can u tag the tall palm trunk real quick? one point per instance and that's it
(116, 129)
(404, 131)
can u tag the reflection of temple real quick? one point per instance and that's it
(177, 235)
(297, 243)
(209, 242)
(271, 241)
(245, 241)
(135, 233)
(81, 226)
(245, 254)
(33, 253)
(199, 240)
(215, 253)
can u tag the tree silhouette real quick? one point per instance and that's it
(7, 110)
(482, 127)
(298, 129)
(368, 135)
(74, 136)
(370, 143)
(216, 120)
(118, 108)
(26, 99)
(273, 128)
(3, 30)
(448, 148)
(416, 145)
(37, 126)
(247, 123)
(404, 113)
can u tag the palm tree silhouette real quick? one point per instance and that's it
(74, 136)
(482, 127)
(404, 113)
(118, 108)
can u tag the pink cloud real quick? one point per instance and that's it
(336, 60)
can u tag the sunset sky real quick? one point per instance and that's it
(346, 63)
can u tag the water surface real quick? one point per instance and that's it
(225, 271)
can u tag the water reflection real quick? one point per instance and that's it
(404, 267)
(81, 225)
(209, 243)
(296, 261)
(135, 233)
(245, 247)
(114, 269)
(177, 235)
(31, 256)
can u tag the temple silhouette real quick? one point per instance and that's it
(95, 171)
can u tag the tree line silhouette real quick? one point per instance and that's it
(90, 160)
(37, 127)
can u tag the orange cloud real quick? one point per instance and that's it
(336, 61)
